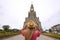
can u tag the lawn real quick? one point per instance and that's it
(52, 35)
(8, 34)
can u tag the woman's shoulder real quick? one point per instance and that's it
(37, 31)
(23, 32)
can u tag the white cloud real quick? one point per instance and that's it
(15, 11)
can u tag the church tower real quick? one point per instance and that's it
(32, 16)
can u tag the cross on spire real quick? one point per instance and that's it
(31, 8)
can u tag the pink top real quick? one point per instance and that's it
(34, 36)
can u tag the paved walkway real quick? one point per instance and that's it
(43, 37)
(20, 37)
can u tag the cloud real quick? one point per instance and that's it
(14, 12)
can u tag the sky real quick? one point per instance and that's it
(14, 12)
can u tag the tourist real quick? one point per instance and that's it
(30, 33)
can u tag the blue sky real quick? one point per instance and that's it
(14, 12)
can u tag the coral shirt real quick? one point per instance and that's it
(34, 36)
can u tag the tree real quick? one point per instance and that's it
(6, 27)
(15, 30)
(50, 30)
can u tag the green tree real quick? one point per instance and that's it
(50, 30)
(15, 30)
(6, 27)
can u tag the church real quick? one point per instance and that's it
(32, 19)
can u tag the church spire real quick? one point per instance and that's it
(31, 8)
(32, 13)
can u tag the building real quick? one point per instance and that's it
(32, 17)
(56, 29)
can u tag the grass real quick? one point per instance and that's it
(52, 35)
(8, 34)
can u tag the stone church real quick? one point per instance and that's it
(32, 19)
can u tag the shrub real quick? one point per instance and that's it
(52, 35)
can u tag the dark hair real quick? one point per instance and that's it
(31, 28)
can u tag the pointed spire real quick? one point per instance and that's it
(31, 8)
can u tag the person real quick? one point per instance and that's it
(30, 33)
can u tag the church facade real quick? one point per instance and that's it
(32, 16)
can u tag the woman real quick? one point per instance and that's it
(30, 33)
